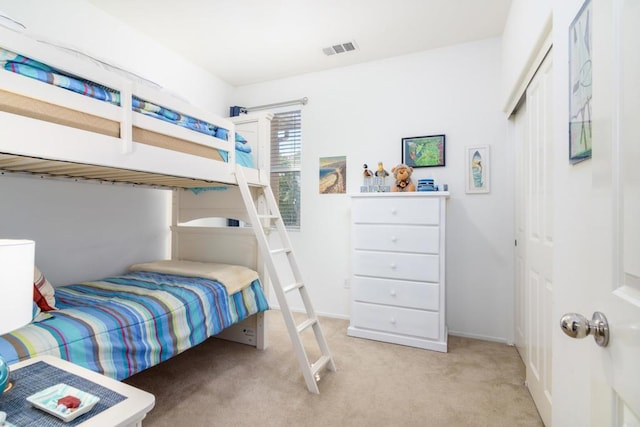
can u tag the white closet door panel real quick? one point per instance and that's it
(397, 265)
(397, 238)
(425, 296)
(393, 210)
(423, 324)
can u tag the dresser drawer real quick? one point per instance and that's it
(424, 296)
(396, 210)
(397, 238)
(397, 320)
(391, 265)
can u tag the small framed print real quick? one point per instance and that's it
(478, 166)
(423, 151)
(333, 175)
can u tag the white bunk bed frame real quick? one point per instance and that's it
(21, 135)
(47, 130)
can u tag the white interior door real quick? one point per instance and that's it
(600, 386)
(616, 382)
(533, 137)
(539, 236)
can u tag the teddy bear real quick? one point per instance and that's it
(402, 174)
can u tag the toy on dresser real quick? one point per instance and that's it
(381, 174)
(367, 176)
(402, 174)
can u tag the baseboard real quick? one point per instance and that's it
(319, 313)
(480, 337)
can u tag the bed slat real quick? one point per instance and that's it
(13, 163)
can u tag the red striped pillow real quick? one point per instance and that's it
(43, 291)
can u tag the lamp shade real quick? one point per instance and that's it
(16, 283)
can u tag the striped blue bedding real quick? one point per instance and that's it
(121, 325)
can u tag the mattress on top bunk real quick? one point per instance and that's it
(31, 68)
(121, 325)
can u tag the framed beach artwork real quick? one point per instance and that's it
(423, 151)
(478, 167)
(580, 137)
(333, 175)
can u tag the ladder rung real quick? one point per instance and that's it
(304, 325)
(280, 251)
(320, 363)
(266, 216)
(295, 286)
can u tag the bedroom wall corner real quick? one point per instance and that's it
(363, 112)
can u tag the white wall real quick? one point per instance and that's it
(79, 24)
(524, 32)
(87, 231)
(362, 112)
(84, 231)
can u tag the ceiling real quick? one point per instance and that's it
(251, 41)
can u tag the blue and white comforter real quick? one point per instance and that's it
(122, 325)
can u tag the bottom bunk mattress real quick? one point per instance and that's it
(121, 325)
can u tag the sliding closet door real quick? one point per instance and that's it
(519, 136)
(535, 237)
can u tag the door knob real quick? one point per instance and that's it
(577, 326)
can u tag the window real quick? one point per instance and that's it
(285, 165)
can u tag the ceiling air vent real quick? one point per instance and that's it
(340, 48)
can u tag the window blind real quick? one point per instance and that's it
(286, 138)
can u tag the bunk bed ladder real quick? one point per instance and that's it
(285, 276)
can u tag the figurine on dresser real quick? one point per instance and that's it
(381, 178)
(381, 174)
(367, 176)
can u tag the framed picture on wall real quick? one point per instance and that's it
(423, 151)
(580, 85)
(478, 167)
(333, 175)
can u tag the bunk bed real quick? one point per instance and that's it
(133, 132)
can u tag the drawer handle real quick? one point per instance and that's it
(394, 211)
(392, 292)
(393, 265)
(392, 320)
(394, 239)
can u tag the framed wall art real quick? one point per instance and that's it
(580, 137)
(478, 167)
(333, 175)
(423, 151)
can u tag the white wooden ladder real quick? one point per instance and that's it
(285, 276)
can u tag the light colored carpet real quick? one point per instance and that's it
(220, 383)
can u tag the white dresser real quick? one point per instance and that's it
(398, 268)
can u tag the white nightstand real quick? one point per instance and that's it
(128, 412)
